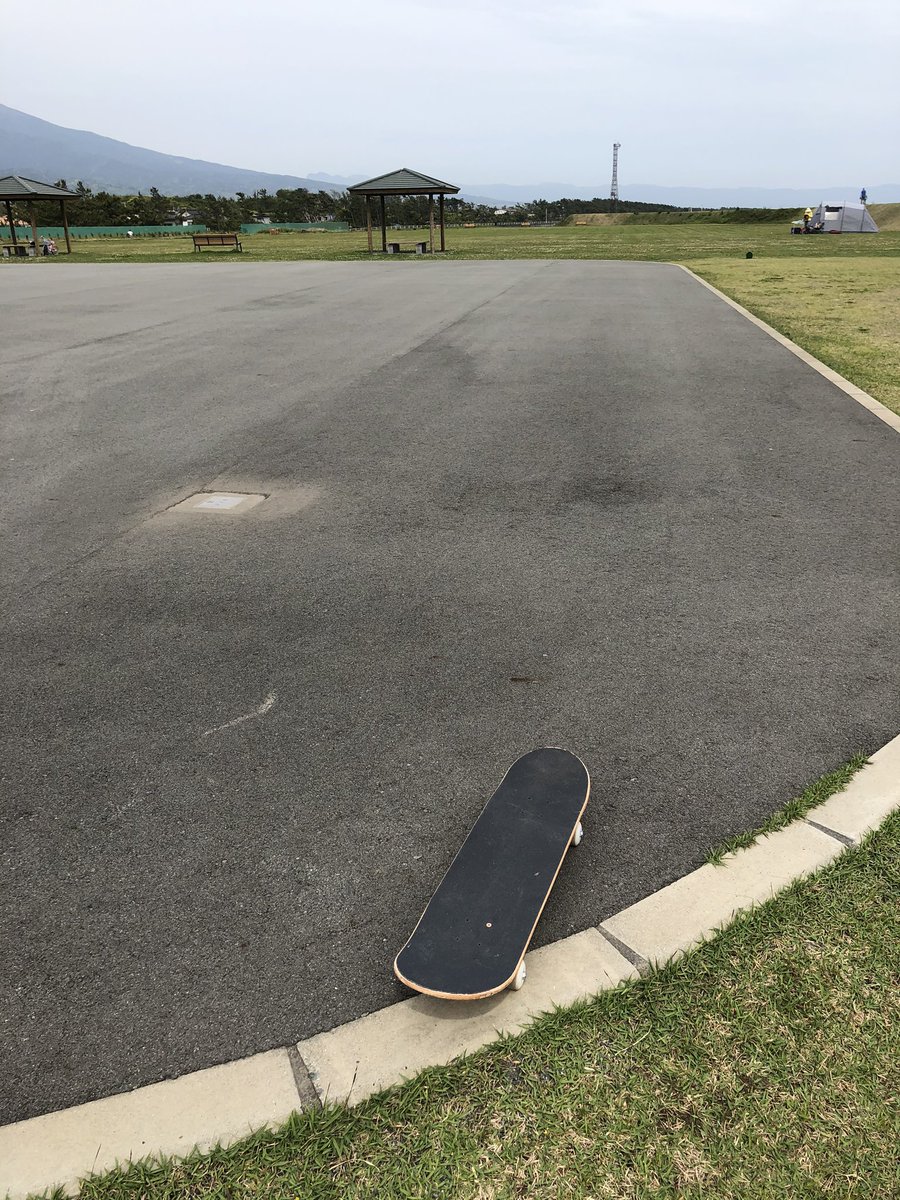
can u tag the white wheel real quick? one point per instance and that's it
(578, 834)
(520, 977)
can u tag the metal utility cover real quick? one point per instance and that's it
(217, 502)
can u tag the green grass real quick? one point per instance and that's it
(765, 1063)
(661, 243)
(817, 793)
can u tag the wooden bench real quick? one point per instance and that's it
(419, 247)
(216, 239)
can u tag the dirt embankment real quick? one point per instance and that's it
(886, 216)
(600, 219)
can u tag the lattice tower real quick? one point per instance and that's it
(614, 186)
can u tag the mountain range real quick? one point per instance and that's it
(38, 149)
(687, 197)
(698, 197)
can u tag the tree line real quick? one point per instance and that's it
(301, 205)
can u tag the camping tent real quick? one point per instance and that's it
(843, 218)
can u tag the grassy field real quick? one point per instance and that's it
(660, 243)
(766, 1063)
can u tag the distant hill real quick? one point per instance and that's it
(654, 193)
(341, 181)
(683, 216)
(698, 197)
(40, 150)
(344, 181)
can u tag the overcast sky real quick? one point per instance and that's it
(699, 92)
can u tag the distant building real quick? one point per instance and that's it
(183, 216)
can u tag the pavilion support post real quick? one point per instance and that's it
(369, 222)
(33, 225)
(65, 221)
(431, 221)
(383, 227)
(441, 210)
(12, 224)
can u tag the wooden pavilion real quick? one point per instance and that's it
(15, 189)
(404, 183)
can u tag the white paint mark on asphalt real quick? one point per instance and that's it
(265, 707)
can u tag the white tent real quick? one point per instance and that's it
(843, 218)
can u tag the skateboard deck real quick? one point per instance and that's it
(471, 939)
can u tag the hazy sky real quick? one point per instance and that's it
(701, 92)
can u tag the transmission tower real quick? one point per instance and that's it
(614, 186)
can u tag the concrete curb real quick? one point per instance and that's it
(220, 1104)
(863, 398)
(356, 1060)
(223, 1104)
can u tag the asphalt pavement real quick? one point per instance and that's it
(508, 504)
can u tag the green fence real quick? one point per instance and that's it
(23, 232)
(262, 227)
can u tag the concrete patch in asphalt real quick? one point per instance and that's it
(217, 502)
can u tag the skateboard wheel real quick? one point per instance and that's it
(520, 977)
(578, 834)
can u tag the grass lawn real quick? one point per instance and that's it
(766, 1063)
(658, 242)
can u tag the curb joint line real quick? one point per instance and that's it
(838, 837)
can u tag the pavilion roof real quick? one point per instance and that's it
(15, 187)
(403, 182)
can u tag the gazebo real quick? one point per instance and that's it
(404, 183)
(15, 188)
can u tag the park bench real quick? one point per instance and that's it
(216, 239)
(397, 247)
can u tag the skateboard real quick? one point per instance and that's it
(471, 939)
